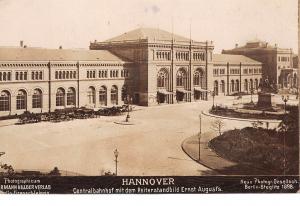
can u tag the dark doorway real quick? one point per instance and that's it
(161, 98)
(179, 96)
(197, 95)
(136, 99)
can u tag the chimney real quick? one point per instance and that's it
(236, 45)
(21, 43)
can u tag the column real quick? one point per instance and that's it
(108, 99)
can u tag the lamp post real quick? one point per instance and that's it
(116, 153)
(284, 154)
(199, 137)
(285, 99)
(213, 94)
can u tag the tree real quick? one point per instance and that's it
(218, 125)
(55, 172)
(289, 126)
(8, 169)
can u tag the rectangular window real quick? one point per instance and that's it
(36, 101)
(21, 102)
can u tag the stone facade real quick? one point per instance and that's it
(233, 74)
(152, 66)
(43, 86)
(278, 64)
(165, 65)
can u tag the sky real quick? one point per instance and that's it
(75, 23)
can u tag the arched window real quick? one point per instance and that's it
(232, 86)
(91, 95)
(74, 75)
(37, 98)
(251, 83)
(181, 78)
(162, 79)
(21, 75)
(198, 77)
(4, 76)
(36, 75)
(64, 74)
(41, 75)
(17, 75)
(71, 96)
(5, 101)
(124, 93)
(32, 75)
(237, 87)
(246, 85)
(295, 82)
(60, 74)
(68, 75)
(60, 97)
(102, 96)
(114, 95)
(8, 76)
(256, 84)
(0, 76)
(56, 75)
(22, 99)
(222, 86)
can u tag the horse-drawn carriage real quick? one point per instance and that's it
(28, 117)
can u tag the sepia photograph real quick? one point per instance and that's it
(149, 96)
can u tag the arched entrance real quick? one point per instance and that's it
(162, 86)
(181, 85)
(199, 85)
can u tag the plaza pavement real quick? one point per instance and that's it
(150, 147)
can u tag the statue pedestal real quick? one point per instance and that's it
(264, 100)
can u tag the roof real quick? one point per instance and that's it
(233, 59)
(148, 33)
(257, 45)
(42, 54)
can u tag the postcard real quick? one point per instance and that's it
(149, 96)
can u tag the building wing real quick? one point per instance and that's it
(41, 54)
